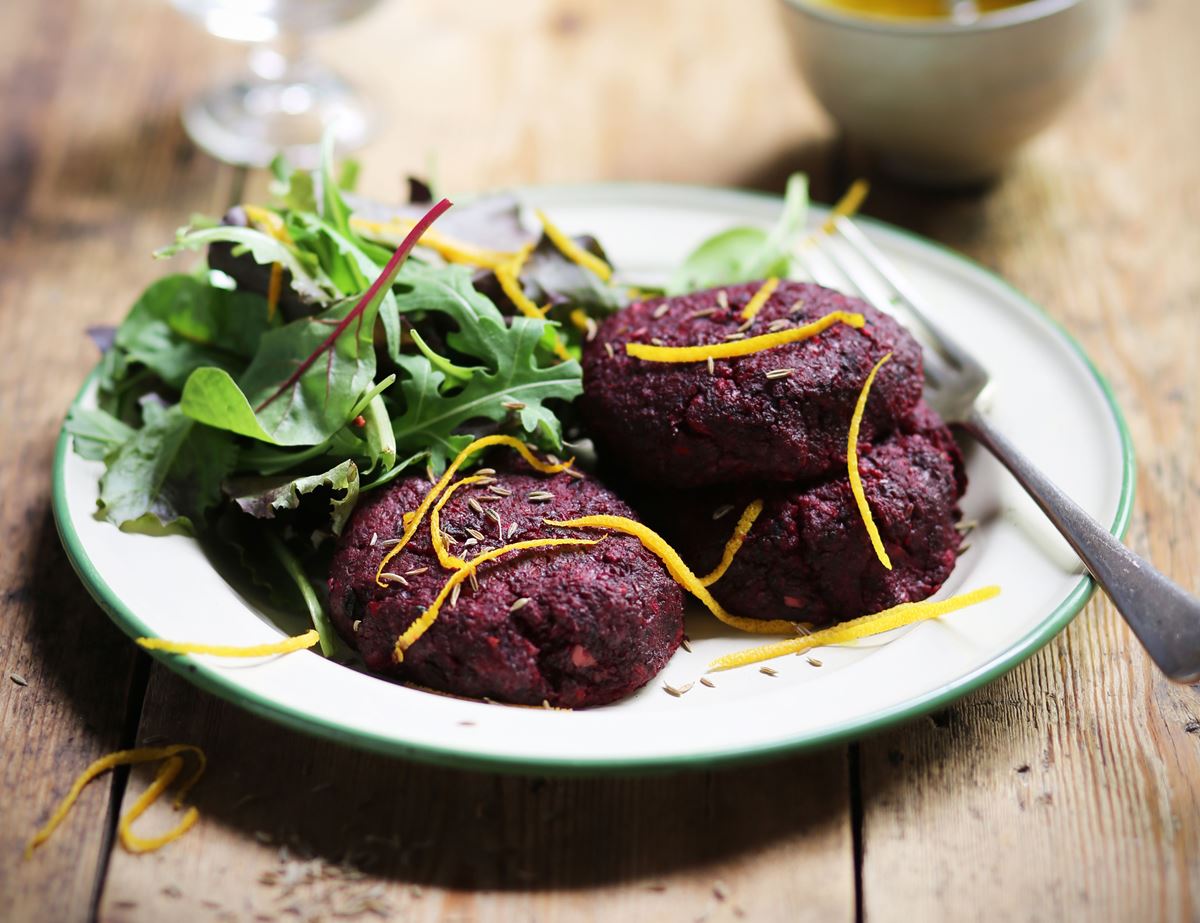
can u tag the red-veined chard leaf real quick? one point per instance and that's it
(303, 401)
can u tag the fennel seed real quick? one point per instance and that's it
(705, 681)
(676, 691)
(779, 373)
(662, 309)
(520, 604)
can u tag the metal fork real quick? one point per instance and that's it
(1165, 617)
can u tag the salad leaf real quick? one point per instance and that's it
(181, 323)
(431, 420)
(165, 477)
(262, 498)
(96, 433)
(308, 279)
(550, 277)
(315, 406)
(747, 254)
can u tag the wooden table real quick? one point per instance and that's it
(1070, 789)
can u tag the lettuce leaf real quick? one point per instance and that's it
(747, 254)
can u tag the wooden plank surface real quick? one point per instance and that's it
(1067, 790)
(291, 822)
(1070, 789)
(93, 174)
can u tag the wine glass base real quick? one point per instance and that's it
(251, 121)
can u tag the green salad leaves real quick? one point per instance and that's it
(253, 400)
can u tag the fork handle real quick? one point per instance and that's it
(1164, 616)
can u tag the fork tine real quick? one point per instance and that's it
(903, 292)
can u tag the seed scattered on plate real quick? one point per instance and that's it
(712, 366)
(963, 549)
(662, 309)
(796, 308)
(448, 539)
(357, 624)
(474, 505)
(703, 312)
(374, 538)
(395, 578)
(390, 541)
(778, 324)
(722, 511)
(745, 325)
(608, 349)
(466, 724)
(779, 373)
(539, 496)
(500, 491)
(705, 681)
(415, 571)
(470, 543)
(676, 691)
(734, 336)
(454, 595)
(476, 534)
(520, 604)
(723, 299)
(967, 526)
(686, 644)
(18, 679)
(474, 581)
(769, 671)
(512, 530)
(814, 661)
(513, 405)
(657, 341)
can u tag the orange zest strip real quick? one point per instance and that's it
(448, 561)
(847, 205)
(162, 780)
(273, 225)
(572, 251)
(755, 304)
(746, 347)
(453, 251)
(274, 289)
(740, 531)
(411, 524)
(509, 276)
(864, 627)
(679, 571)
(125, 758)
(856, 487)
(286, 646)
(580, 319)
(414, 631)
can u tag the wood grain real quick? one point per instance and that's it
(435, 844)
(93, 173)
(1070, 789)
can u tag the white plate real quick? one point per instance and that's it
(1046, 396)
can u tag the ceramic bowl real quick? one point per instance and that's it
(946, 102)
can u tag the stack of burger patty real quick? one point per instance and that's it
(698, 441)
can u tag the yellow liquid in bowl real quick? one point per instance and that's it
(917, 9)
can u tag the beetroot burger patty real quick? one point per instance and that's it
(807, 557)
(680, 424)
(572, 626)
